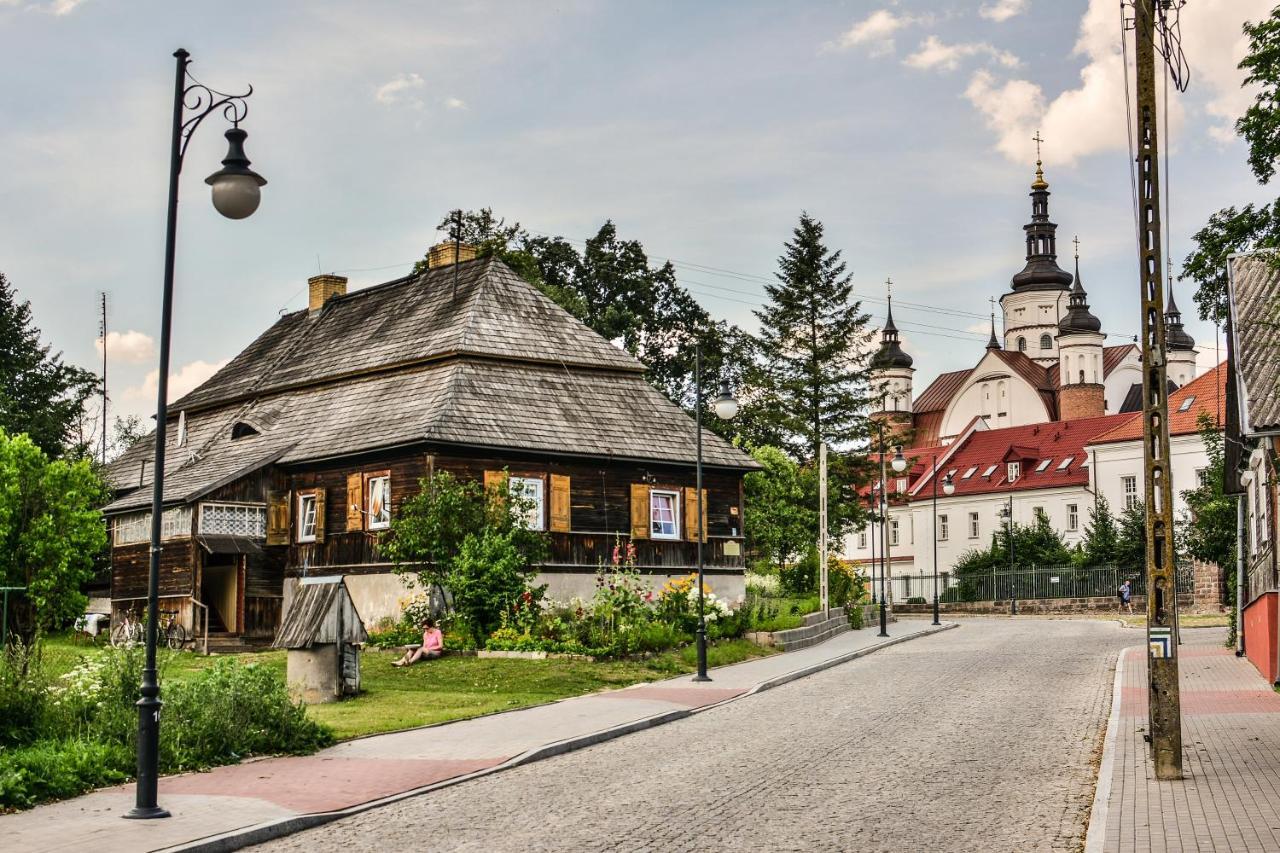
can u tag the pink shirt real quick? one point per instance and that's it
(432, 640)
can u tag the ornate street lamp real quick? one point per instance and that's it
(899, 462)
(1006, 515)
(725, 407)
(235, 190)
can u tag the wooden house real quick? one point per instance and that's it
(293, 459)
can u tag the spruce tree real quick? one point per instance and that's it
(1101, 538)
(814, 343)
(39, 395)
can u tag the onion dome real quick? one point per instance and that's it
(1042, 271)
(1175, 337)
(1078, 317)
(891, 353)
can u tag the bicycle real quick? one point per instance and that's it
(128, 633)
(176, 635)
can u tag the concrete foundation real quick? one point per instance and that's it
(312, 674)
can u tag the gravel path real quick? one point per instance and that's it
(980, 738)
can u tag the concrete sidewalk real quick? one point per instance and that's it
(1230, 797)
(232, 807)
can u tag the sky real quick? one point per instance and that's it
(701, 129)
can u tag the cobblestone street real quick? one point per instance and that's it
(981, 738)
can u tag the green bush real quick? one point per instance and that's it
(57, 769)
(487, 578)
(231, 710)
(855, 616)
(23, 692)
(800, 577)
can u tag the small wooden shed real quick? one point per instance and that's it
(323, 633)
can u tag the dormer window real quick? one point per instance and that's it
(1015, 470)
(242, 430)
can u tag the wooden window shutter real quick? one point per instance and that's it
(277, 518)
(355, 502)
(559, 503)
(320, 513)
(691, 514)
(493, 481)
(639, 511)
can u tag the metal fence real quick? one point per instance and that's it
(1036, 582)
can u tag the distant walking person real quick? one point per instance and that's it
(432, 645)
(1126, 595)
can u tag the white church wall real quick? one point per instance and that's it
(1117, 385)
(1003, 399)
(1115, 461)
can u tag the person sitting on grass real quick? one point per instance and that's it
(432, 645)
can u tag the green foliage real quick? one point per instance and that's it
(1035, 544)
(50, 532)
(78, 731)
(487, 577)
(801, 576)
(1131, 548)
(1233, 230)
(1209, 530)
(813, 340)
(427, 534)
(39, 395)
(1101, 536)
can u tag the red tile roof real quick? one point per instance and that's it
(1112, 356)
(1055, 441)
(1208, 393)
(939, 393)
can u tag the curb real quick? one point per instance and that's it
(240, 838)
(1096, 833)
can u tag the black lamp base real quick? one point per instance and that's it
(145, 814)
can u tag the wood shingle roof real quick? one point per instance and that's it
(1254, 282)
(505, 369)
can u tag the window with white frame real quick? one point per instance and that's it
(1130, 486)
(901, 485)
(1065, 463)
(1264, 500)
(1037, 512)
(1186, 404)
(229, 519)
(379, 502)
(991, 469)
(862, 538)
(530, 493)
(893, 531)
(135, 527)
(969, 473)
(664, 514)
(973, 526)
(1073, 517)
(307, 517)
(1044, 463)
(1015, 471)
(943, 529)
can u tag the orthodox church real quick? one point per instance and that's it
(1051, 363)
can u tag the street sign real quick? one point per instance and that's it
(1160, 642)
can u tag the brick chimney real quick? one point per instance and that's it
(442, 254)
(324, 287)
(1081, 401)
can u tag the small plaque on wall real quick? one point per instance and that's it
(732, 548)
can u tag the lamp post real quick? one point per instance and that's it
(948, 488)
(725, 407)
(873, 498)
(884, 536)
(1006, 514)
(235, 191)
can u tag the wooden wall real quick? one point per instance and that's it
(600, 513)
(130, 566)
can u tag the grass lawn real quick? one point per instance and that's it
(451, 688)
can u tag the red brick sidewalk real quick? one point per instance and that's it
(1230, 798)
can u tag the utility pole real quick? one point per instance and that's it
(822, 530)
(102, 327)
(1162, 594)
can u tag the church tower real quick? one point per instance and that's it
(1080, 342)
(1181, 346)
(891, 370)
(1040, 292)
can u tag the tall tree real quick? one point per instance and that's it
(39, 394)
(50, 533)
(1209, 527)
(1101, 537)
(1249, 227)
(814, 341)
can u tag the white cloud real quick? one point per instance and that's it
(186, 378)
(1002, 10)
(131, 346)
(455, 103)
(54, 7)
(875, 32)
(1090, 118)
(400, 90)
(933, 53)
